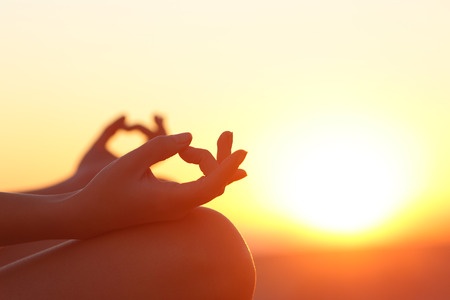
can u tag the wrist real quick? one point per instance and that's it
(81, 215)
(75, 216)
(66, 214)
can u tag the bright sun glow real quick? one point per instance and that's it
(343, 176)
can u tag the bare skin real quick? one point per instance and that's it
(93, 161)
(201, 256)
(135, 236)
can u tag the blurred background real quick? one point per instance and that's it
(342, 105)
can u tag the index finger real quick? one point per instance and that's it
(155, 150)
(109, 131)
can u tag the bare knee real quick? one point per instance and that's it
(229, 270)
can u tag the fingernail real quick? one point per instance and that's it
(183, 138)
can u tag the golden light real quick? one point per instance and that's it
(343, 174)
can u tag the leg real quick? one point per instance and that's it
(199, 257)
(13, 253)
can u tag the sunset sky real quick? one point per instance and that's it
(343, 106)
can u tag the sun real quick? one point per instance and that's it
(340, 182)
(342, 176)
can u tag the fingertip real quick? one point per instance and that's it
(184, 138)
(158, 119)
(240, 174)
(226, 135)
(240, 155)
(120, 120)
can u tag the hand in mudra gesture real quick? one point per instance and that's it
(127, 193)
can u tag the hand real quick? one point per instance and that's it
(126, 193)
(206, 160)
(98, 156)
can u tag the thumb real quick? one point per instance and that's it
(156, 150)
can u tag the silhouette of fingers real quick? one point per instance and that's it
(238, 175)
(203, 190)
(224, 144)
(160, 130)
(201, 157)
(109, 131)
(144, 130)
(226, 170)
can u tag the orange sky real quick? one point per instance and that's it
(274, 73)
